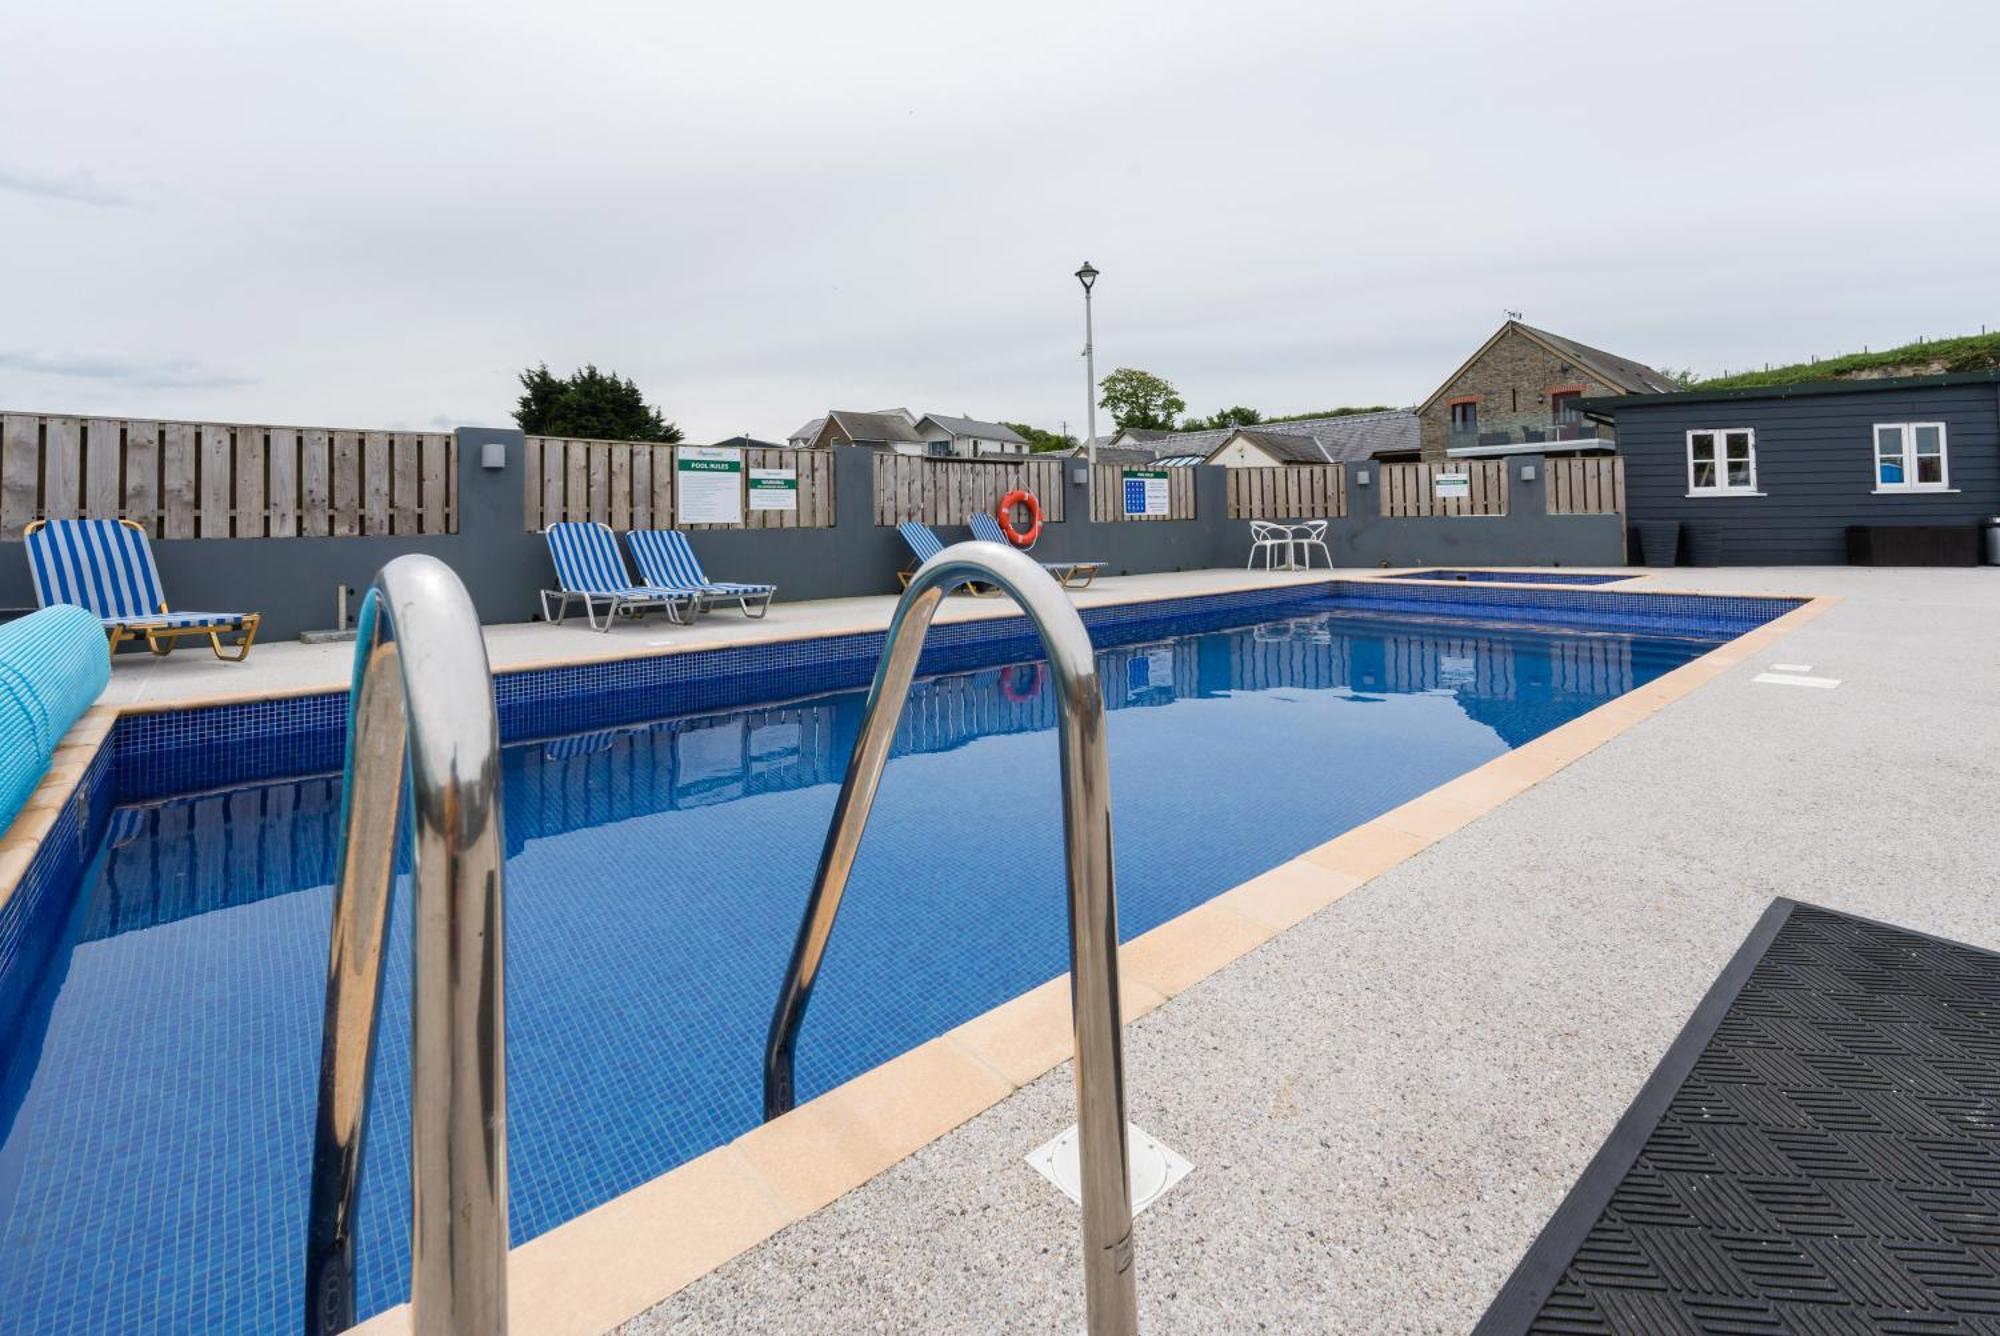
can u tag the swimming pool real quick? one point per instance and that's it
(1518, 577)
(663, 819)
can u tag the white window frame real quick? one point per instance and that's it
(1721, 486)
(1908, 431)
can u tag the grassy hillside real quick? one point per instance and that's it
(1974, 352)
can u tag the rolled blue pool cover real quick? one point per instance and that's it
(53, 667)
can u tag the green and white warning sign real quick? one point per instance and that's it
(708, 484)
(774, 489)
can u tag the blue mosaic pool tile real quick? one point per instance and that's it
(34, 917)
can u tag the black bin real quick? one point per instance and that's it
(1704, 542)
(1659, 541)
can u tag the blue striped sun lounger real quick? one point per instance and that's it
(987, 530)
(665, 557)
(923, 545)
(106, 567)
(590, 570)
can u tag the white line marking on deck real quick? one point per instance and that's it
(1781, 680)
(1791, 667)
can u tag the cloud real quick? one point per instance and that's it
(79, 187)
(164, 373)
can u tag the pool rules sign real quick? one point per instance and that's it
(708, 484)
(1146, 491)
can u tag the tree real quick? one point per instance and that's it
(598, 405)
(1238, 416)
(1139, 399)
(1039, 440)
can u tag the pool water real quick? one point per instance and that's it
(157, 1102)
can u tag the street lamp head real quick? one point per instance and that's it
(1086, 275)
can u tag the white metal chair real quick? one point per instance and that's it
(1267, 538)
(1306, 537)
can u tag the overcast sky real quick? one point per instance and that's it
(365, 214)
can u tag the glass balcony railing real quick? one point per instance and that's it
(1552, 434)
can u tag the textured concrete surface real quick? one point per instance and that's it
(1384, 1104)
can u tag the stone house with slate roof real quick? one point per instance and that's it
(1518, 394)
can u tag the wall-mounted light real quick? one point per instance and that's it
(1361, 478)
(493, 455)
(1527, 473)
(1080, 474)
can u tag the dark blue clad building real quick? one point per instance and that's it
(1816, 474)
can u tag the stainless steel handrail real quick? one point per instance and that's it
(1110, 1287)
(422, 715)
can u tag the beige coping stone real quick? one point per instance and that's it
(1185, 950)
(1289, 893)
(1432, 816)
(1031, 1035)
(852, 1133)
(1368, 851)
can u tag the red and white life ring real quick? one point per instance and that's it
(1006, 517)
(1010, 682)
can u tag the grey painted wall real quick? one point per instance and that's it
(1815, 462)
(292, 581)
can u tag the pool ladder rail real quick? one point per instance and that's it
(1110, 1286)
(422, 733)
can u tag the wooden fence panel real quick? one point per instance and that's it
(403, 483)
(104, 493)
(20, 472)
(346, 483)
(316, 483)
(177, 479)
(434, 492)
(214, 464)
(1290, 492)
(1409, 491)
(251, 462)
(142, 474)
(375, 481)
(62, 464)
(1591, 486)
(282, 504)
(621, 487)
(945, 491)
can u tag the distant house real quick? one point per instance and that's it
(967, 438)
(1388, 436)
(1518, 394)
(906, 433)
(891, 429)
(749, 443)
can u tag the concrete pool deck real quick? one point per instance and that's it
(1384, 1103)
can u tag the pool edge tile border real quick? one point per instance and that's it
(888, 1113)
(21, 840)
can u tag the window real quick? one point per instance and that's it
(1910, 457)
(1562, 407)
(1465, 416)
(1722, 462)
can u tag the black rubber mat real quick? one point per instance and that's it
(1818, 1152)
